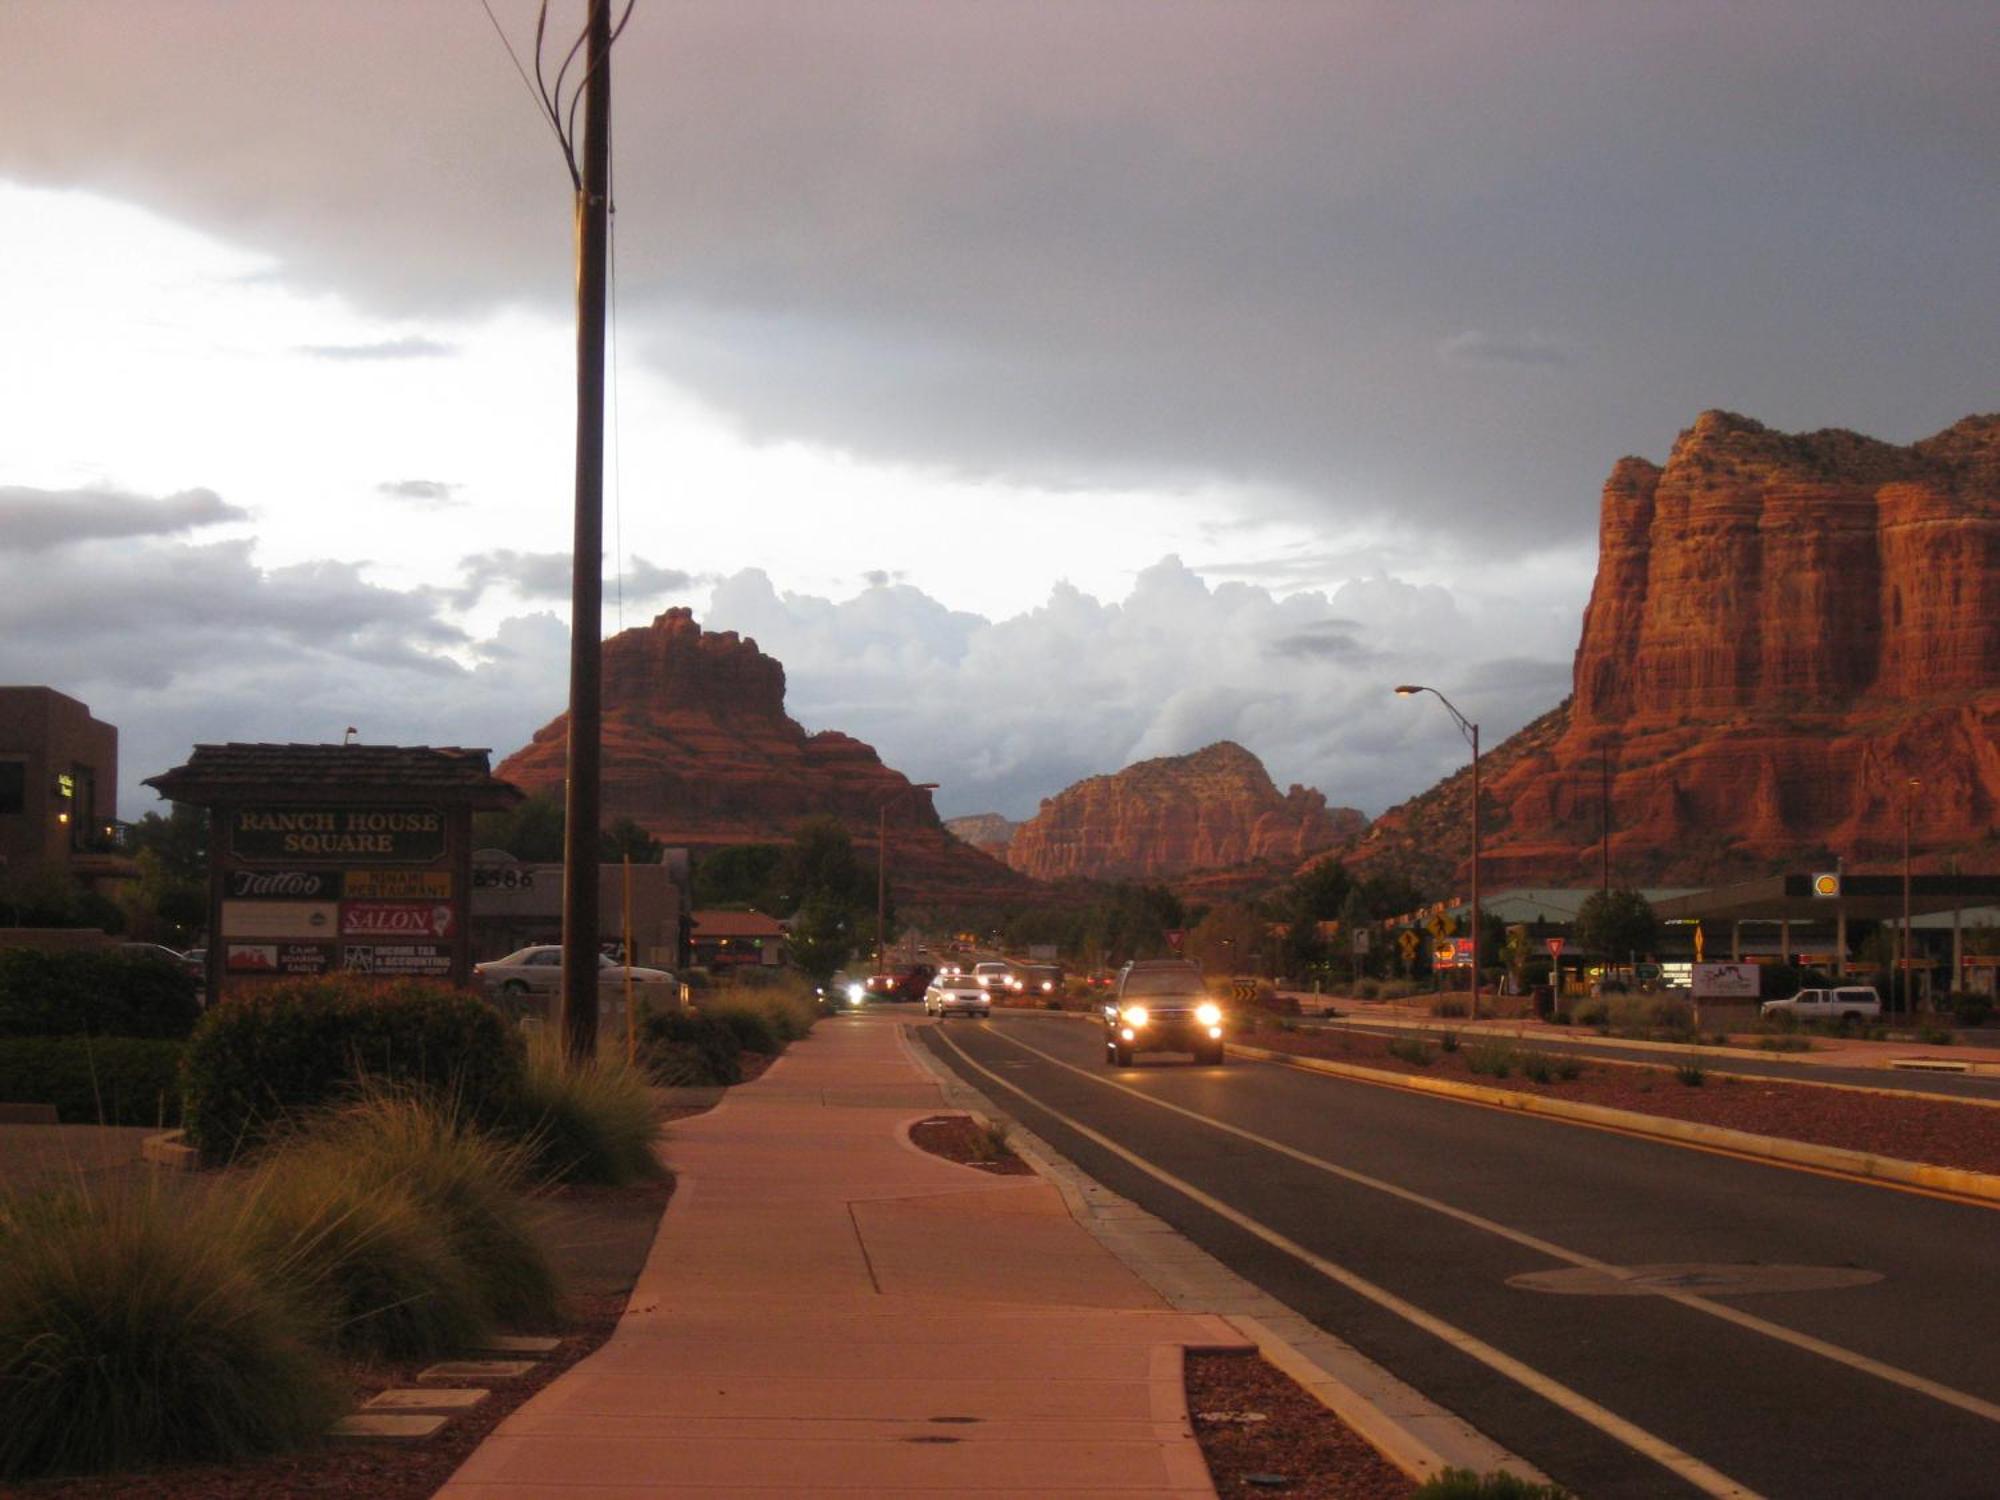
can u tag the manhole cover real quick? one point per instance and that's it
(1701, 1280)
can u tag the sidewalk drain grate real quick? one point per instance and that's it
(956, 1419)
(932, 1437)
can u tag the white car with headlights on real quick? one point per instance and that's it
(1162, 1005)
(957, 995)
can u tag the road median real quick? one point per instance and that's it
(1960, 1182)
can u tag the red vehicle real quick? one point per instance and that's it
(902, 984)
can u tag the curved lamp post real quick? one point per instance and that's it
(882, 865)
(1471, 732)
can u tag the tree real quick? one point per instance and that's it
(168, 903)
(1227, 938)
(626, 839)
(1320, 894)
(823, 937)
(531, 830)
(1617, 925)
(820, 862)
(740, 875)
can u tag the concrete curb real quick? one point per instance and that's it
(1418, 1437)
(1984, 1186)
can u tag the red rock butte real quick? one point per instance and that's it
(1164, 818)
(698, 751)
(1785, 632)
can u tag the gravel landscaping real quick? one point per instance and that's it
(1253, 1420)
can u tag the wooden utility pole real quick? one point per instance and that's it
(593, 231)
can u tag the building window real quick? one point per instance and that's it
(13, 786)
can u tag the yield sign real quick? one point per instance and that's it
(1555, 947)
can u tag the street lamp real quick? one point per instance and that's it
(1471, 732)
(1909, 810)
(882, 865)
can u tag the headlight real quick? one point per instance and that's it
(1209, 1014)
(854, 994)
(1047, 986)
(1135, 1015)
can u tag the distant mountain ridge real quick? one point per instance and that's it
(1163, 818)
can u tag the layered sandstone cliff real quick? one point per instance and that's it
(1164, 818)
(1786, 631)
(698, 750)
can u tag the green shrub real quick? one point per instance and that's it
(369, 1257)
(593, 1123)
(1692, 1073)
(1490, 1059)
(307, 1044)
(134, 1331)
(1550, 1067)
(1935, 1036)
(1411, 1050)
(94, 992)
(474, 1183)
(1969, 1007)
(1464, 1484)
(1448, 1041)
(756, 1030)
(692, 1050)
(1448, 1008)
(106, 1080)
(1593, 1013)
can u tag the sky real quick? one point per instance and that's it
(1048, 384)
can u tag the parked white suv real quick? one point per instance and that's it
(1849, 1002)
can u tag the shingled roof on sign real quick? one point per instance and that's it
(217, 773)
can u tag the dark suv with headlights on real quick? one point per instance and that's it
(1162, 1006)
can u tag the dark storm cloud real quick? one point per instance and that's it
(1324, 640)
(546, 577)
(644, 580)
(531, 575)
(404, 348)
(424, 494)
(1475, 348)
(33, 520)
(1137, 241)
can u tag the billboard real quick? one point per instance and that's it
(1726, 982)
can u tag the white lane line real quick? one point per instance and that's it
(1892, 1374)
(1709, 1481)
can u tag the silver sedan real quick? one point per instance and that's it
(957, 995)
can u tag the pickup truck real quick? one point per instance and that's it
(1848, 1002)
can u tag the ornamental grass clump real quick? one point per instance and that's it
(592, 1122)
(370, 1259)
(474, 1183)
(135, 1330)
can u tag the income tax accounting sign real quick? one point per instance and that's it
(355, 835)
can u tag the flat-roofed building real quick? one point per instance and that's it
(58, 791)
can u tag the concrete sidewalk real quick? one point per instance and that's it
(828, 1309)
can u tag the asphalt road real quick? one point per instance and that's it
(1945, 1085)
(1396, 1221)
